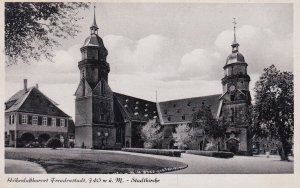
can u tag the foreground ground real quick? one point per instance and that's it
(79, 161)
(96, 161)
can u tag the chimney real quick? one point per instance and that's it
(37, 86)
(25, 85)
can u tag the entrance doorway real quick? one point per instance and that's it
(232, 145)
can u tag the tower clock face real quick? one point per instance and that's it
(232, 88)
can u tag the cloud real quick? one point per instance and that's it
(200, 64)
(151, 54)
(167, 59)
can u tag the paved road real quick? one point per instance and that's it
(23, 167)
(237, 165)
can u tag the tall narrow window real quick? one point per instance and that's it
(12, 119)
(232, 115)
(102, 117)
(232, 97)
(44, 122)
(34, 120)
(24, 119)
(102, 88)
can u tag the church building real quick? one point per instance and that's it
(109, 120)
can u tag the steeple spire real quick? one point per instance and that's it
(234, 44)
(94, 27)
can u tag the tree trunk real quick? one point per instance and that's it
(285, 150)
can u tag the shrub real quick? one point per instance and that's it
(54, 143)
(172, 153)
(220, 154)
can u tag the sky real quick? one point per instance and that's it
(178, 49)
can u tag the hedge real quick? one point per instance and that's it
(219, 154)
(54, 143)
(172, 153)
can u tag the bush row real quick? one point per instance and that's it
(172, 153)
(219, 154)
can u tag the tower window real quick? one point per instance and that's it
(232, 97)
(101, 117)
(102, 88)
(232, 115)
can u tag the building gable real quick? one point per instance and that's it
(36, 102)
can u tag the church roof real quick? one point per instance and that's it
(181, 110)
(135, 108)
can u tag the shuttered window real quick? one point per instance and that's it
(44, 121)
(34, 120)
(24, 119)
(53, 122)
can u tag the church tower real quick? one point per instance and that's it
(94, 98)
(235, 101)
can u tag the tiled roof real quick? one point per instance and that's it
(181, 110)
(15, 102)
(135, 108)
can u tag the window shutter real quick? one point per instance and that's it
(20, 118)
(30, 120)
(57, 122)
(49, 121)
(9, 119)
(39, 120)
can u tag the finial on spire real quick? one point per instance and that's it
(94, 27)
(234, 43)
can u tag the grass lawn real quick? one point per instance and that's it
(78, 161)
